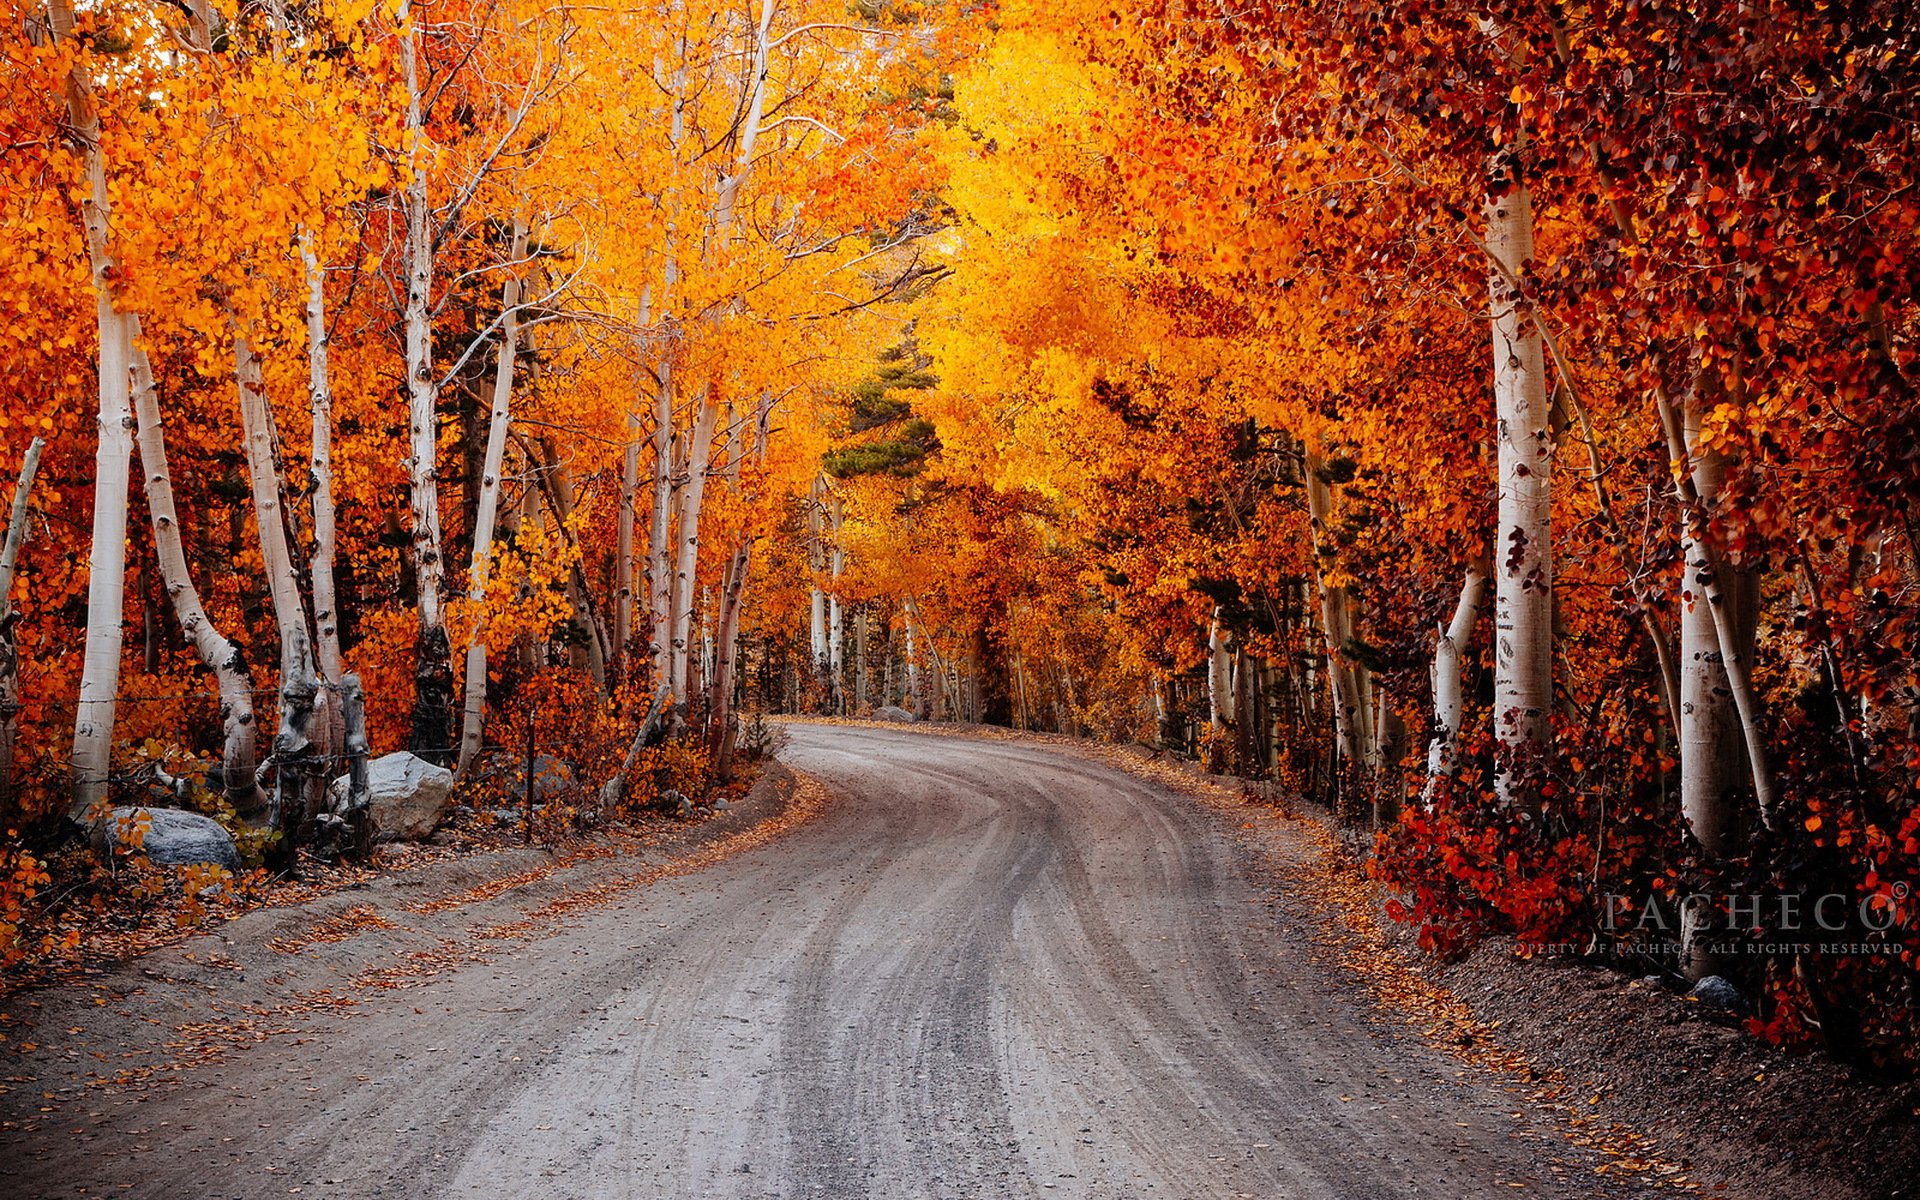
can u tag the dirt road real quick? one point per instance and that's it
(987, 970)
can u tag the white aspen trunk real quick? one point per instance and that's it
(9, 651)
(701, 664)
(1450, 658)
(1522, 556)
(624, 544)
(1713, 763)
(354, 744)
(298, 686)
(1706, 575)
(1219, 674)
(660, 544)
(836, 624)
(222, 657)
(623, 572)
(836, 629)
(487, 510)
(433, 652)
(687, 544)
(326, 615)
(817, 614)
(729, 191)
(720, 699)
(1345, 682)
(263, 470)
(1713, 760)
(913, 660)
(113, 453)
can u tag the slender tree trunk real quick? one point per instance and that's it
(113, 454)
(9, 619)
(326, 615)
(817, 615)
(432, 737)
(913, 660)
(659, 534)
(355, 746)
(1713, 766)
(1346, 682)
(1706, 574)
(222, 657)
(624, 545)
(836, 615)
(659, 545)
(299, 688)
(623, 572)
(1522, 559)
(1219, 674)
(692, 496)
(726, 641)
(1713, 760)
(1450, 659)
(487, 511)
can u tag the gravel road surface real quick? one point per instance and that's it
(989, 969)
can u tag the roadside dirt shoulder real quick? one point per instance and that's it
(156, 1015)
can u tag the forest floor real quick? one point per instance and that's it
(911, 965)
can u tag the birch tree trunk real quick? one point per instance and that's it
(726, 642)
(624, 546)
(913, 661)
(1346, 683)
(326, 615)
(817, 617)
(659, 544)
(9, 651)
(299, 688)
(1219, 674)
(222, 657)
(113, 453)
(1390, 742)
(1450, 659)
(432, 737)
(629, 513)
(488, 510)
(1713, 758)
(1713, 766)
(1706, 575)
(1522, 559)
(687, 545)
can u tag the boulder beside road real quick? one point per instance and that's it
(409, 796)
(174, 837)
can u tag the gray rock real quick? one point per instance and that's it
(890, 712)
(1718, 992)
(409, 795)
(175, 837)
(551, 776)
(721, 805)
